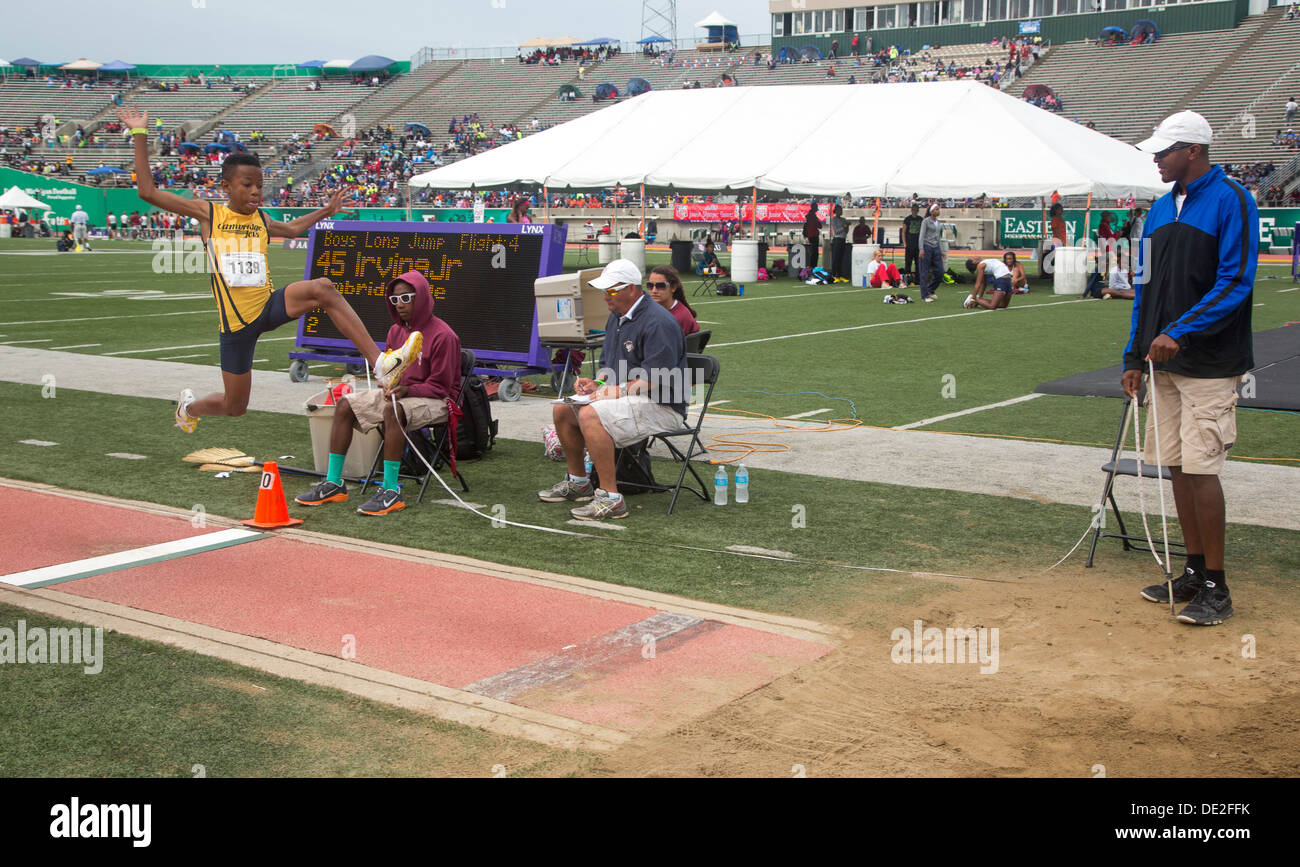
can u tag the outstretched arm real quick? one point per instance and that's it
(297, 228)
(137, 123)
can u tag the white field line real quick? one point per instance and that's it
(16, 342)
(713, 346)
(175, 357)
(102, 318)
(925, 421)
(778, 297)
(807, 414)
(188, 346)
(75, 346)
(1292, 289)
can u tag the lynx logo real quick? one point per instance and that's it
(103, 820)
(530, 229)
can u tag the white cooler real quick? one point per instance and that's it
(861, 258)
(744, 261)
(608, 248)
(1070, 270)
(633, 249)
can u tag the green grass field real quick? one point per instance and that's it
(893, 365)
(164, 710)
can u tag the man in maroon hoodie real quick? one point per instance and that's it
(432, 379)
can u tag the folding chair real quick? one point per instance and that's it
(1126, 467)
(696, 342)
(704, 369)
(433, 442)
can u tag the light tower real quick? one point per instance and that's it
(659, 18)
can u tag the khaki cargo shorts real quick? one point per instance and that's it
(633, 418)
(368, 406)
(1198, 421)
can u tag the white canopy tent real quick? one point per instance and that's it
(337, 64)
(82, 65)
(715, 19)
(16, 199)
(953, 139)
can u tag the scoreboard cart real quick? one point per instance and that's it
(481, 276)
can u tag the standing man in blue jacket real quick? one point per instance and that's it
(1191, 319)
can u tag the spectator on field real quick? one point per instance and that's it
(644, 392)
(709, 263)
(1057, 220)
(880, 272)
(989, 271)
(665, 287)
(839, 245)
(861, 231)
(1117, 282)
(1019, 282)
(812, 227)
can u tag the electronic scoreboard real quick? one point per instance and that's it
(481, 277)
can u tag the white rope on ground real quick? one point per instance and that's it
(559, 532)
(1164, 516)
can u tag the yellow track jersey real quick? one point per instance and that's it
(241, 282)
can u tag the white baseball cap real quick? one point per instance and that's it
(1187, 127)
(617, 273)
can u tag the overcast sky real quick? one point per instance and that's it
(280, 31)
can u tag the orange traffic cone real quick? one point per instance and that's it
(272, 511)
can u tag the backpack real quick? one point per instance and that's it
(778, 267)
(896, 298)
(820, 277)
(763, 275)
(630, 470)
(805, 273)
(476, 431)
(728, 289)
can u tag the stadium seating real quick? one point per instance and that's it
(1116, 87)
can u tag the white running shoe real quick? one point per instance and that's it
(184, 420)
(969, 302)
(392, 363)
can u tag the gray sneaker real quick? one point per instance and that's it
(574, 492)
(601, 509)
(325, 492)
(384, 501)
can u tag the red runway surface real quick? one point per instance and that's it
(620, 665)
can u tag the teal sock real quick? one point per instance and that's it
(390, 474)
(335, 472)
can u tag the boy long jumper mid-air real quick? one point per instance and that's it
(235, 235)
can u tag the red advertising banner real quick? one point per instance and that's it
(767, 213)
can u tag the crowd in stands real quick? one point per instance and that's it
(557, 56)
(1047, 101)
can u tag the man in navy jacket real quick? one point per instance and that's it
(1191, 322)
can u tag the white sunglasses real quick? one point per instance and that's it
(401, 299)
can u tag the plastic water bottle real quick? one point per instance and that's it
(586, 463)
(742, 484)
(720, 487)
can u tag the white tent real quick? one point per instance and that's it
(338, 64)
(715, 19)
(939, 139)
(15, 198)
(82, 65)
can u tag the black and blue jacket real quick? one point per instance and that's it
(1196, 272)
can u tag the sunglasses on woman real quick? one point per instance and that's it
(401, 299)
(662, 285)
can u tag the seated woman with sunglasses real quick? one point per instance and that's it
(432, 379)
(666, 290)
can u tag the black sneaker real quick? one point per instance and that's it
(325, 492)
(1185, 587)
(1212, 605)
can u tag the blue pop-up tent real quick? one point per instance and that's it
(372, 63)
(638, 86)
(650, 40)
(605, 90)
(417, 128)
(1144, 27)
(311, 64)
(1113, 33)
(118, 66)
(107, 170)
(600, 40)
